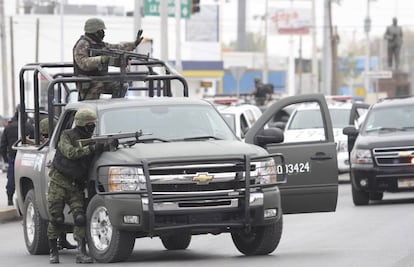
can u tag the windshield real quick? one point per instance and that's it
(170, 123)
(390, 119)
(311, 119)
(230, 120)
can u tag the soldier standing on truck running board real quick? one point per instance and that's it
(86, 65)
(68, 178)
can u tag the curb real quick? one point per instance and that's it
(9, 214)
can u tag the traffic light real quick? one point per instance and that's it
(195, 6)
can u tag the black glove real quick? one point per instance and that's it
(139, 38)
(98, 148)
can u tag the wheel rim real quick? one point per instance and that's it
(101, 229)
(30, 223)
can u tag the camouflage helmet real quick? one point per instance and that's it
(84, 116)
(44, 126)
(93, 25)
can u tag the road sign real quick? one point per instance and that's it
(152, 8)
(384, 74)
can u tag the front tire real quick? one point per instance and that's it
(261, 240)
(34, 227)
(176, 241)
(106, 243)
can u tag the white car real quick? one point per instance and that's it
(305, 125)
(240, 118)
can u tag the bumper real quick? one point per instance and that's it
(390, 179)
(195, 214)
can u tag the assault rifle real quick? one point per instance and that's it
(118, 58)
(110, 139)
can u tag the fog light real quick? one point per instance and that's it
(270, 213)
(131, 219)
(363, 182)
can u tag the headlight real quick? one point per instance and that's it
(265, 172)
(361, 156)
(126, 179)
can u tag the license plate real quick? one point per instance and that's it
(406, 183)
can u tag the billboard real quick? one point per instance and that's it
(290, 20)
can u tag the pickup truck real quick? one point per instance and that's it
(175, 169)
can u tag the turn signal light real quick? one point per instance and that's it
(412, 161)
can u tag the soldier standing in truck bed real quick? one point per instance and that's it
(86, 65)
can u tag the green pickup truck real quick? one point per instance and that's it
(175, 169)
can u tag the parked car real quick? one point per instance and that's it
(305, 124)
(240, 118)
(382, 157)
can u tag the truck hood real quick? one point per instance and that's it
(180, 151)
(385, 139)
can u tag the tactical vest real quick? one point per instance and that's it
(74, 169)
(77, 70)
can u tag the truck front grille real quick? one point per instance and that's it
(393, 156)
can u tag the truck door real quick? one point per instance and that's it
(356, 117)
(311, 164)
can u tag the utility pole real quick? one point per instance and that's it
(5, 87)
(327, 55)
(13, 84)
(315, 63)
(265, 54)
(241, 26)
(367, 28)
(178, 63)
(334, 45)
(164, 30)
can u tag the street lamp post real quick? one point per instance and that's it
(367, 28)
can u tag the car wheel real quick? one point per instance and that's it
(376, 195)
(106, 243)
(360, 198)
(260, 240)
(34, 227)
(176, 241)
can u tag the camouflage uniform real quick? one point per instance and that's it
(68, 179)
(65, 190)
(86, 65)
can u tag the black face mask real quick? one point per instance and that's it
(100, 34)
(89, 128)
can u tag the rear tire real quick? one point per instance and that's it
(177, 241)
(261, 240)
(106, 243)
(34, 227)
(360, 198)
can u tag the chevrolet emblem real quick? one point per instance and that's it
(203, 177)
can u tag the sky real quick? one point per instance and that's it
(348, 16)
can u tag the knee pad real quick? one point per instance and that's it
(79, 219)
(57, 219)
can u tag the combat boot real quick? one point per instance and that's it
(54, 253)
(64, 243)
(82, 256)
(9, 199)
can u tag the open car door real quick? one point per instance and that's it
(311, 164)
(356, 117)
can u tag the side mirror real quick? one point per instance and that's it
(269, 136)
(350, 131)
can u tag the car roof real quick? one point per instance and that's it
(393, 102)
(331, 105)
(105, 104)
(238, 108)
